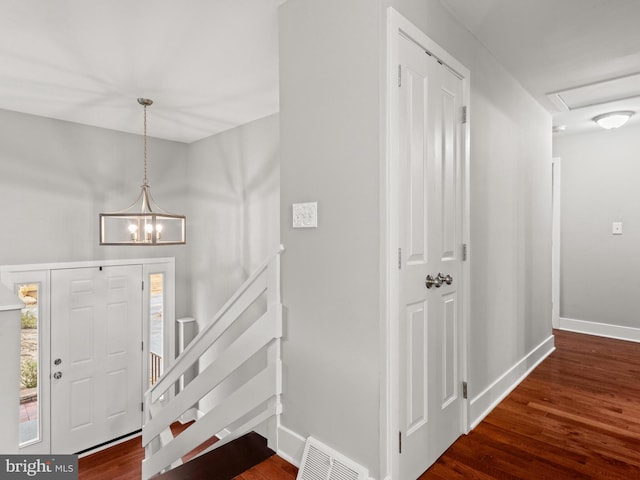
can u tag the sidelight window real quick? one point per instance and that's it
(30, 405)
(156, 327)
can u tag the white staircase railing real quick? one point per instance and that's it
(241, 383)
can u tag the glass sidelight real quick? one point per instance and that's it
(30, 405)
(156, 326)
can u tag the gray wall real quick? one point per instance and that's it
(331, 118)
(599, 271)
(330, 133)
(56, 177)
(234, 185)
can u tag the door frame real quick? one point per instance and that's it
(41, 273)
(389, 299)
(556, 166)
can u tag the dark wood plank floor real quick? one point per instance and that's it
(124, 461)
(577, 416)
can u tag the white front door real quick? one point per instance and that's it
(96, 357)
(430, 236)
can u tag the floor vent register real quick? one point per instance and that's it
(320, 462)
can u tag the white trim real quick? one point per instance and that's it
(84, 264)
(290, 446)
(618, 332)
(555, 242)
(486, 401)
(389, 383)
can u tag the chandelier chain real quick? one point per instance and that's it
(145, 145)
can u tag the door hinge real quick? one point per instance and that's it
(465, 252)
(464, 390)
(142, 346)
(142, 406)
(142, 284)
(399, 442)
(399, 75)
(464, 114)
(399, 259)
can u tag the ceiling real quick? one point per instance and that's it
(210, 65)
(555, 45)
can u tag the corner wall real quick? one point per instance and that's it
(234, 185)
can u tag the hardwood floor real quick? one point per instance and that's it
(124, 461)
(577, 416)
(121, 462)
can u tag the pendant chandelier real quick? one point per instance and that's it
(144, 222)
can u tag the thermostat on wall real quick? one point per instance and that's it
(305, 215)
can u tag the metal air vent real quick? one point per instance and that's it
(320, 462)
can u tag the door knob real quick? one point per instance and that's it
(57, 361)
(57, 375)
(448, 279)
(432, 281)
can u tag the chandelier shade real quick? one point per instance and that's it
(143, 222)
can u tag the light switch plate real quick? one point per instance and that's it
(616, 228)
(305, 215)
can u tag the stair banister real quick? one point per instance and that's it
(255, 402)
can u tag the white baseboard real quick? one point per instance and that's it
(618, 332)
(290, 446)
(481, 405)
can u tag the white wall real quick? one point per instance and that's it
(331, 116)
(599, 271)
(56, 177)
(234, 185)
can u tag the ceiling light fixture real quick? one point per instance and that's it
(613, 119)
(144, 222)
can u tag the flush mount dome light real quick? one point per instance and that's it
(613, 119)
(144, 222)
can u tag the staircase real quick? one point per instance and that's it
(240, 377)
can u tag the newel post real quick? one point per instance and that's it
(10, 306)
